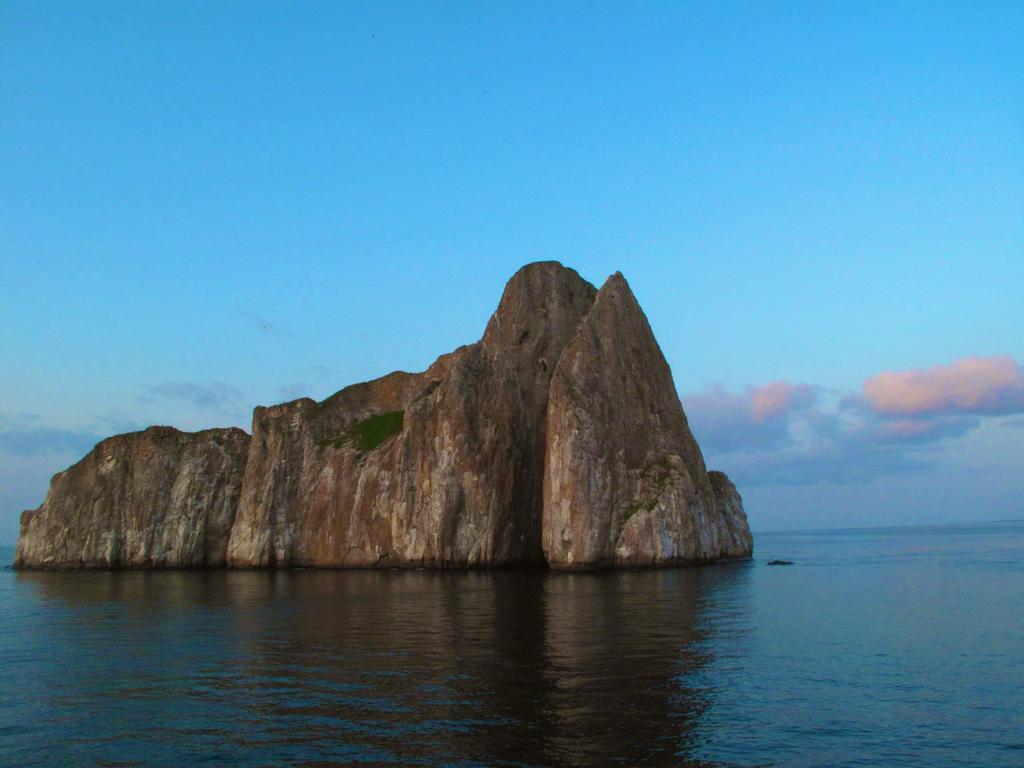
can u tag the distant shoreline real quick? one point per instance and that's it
(760, 532)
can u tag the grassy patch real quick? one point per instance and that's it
(367, 434)
(659, 475)
(632, 509)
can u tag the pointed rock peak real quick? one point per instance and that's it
(617, 314)
(624, 479)
(544, 294)
(616, 288)
(616, 280)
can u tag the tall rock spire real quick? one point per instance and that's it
(624, 480)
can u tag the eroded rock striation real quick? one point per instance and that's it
(558, 437)
(154, 499)
(625, 482)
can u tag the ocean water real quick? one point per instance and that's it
(894, 647)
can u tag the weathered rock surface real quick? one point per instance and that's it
(154, 499)
(457, 485)
(558, 436)
(624, 483)
(733, 532)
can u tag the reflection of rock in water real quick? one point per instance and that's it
(617, 643)
(394, 667)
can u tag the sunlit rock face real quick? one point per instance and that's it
(457, 484)
(154, 499)
(558, 438)
(625, 482)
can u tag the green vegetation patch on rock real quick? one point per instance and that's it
(658, 474)
(369, 433)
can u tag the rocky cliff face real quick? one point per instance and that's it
(456, 484)
(154, 499)
(730, 519)
(559, 436)
(624, 482)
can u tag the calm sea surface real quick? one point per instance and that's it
(895, 647)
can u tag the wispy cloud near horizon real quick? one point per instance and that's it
(758, 417)
(784, 433)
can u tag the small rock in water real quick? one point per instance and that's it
(780, 562)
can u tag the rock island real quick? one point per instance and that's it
(557, 438)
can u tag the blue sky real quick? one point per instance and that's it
(208, 207)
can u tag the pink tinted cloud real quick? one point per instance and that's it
(783, 433)
(757, 417)
(992, 385)
(779, 398)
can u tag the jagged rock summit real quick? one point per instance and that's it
(557, 438)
